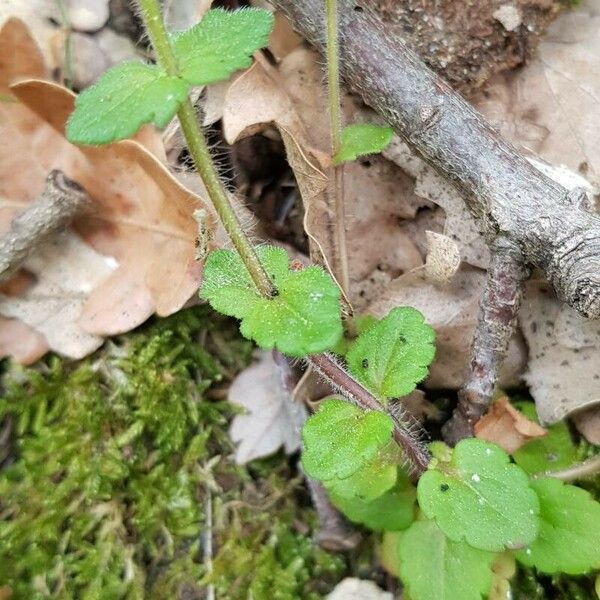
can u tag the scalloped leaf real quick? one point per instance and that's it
(392, 511)
(222, 43)
(554, 451)
(340, 438)
(372, 480)
(126, 97)
(393, 355)
(361, 139)
(480, 497)
(303, 318)
(433, 566)
(569, 539)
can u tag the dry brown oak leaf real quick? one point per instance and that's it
(141, 216)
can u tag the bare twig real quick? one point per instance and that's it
(497, 319)
(59, 203)
(502, 189)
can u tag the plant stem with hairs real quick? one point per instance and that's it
(203, 161)
(335, 120)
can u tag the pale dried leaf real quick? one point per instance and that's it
(67, 270)
(506, 427)
(460, 225)
(183, 14)
(552, 106)
(561, 379)
(443, 257)
(452, 310)
(358, 589)
(272, 420)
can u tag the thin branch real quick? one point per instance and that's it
(501, 188)
(61, 200)
(499, 306)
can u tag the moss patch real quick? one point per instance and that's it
(112, 466)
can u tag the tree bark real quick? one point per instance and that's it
(508, 196)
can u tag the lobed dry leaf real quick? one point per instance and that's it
(506, 427)
(272, 420)
(141, 216)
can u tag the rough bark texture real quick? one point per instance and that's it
(497, 319)
(60, 201)
(508, 196)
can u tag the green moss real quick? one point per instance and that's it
(112, 461)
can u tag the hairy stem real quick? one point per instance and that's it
(335, 119)
(200, 152)
(327, 366)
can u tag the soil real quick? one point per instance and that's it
(462, 40)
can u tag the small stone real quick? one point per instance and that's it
(88, 15)
(509, 16)
(358, 589)
(89, 60)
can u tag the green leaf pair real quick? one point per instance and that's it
(303, 318)
(478, 504)
(133, 94)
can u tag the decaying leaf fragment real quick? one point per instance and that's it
(273, 420)
(506, 427)
(562, 378)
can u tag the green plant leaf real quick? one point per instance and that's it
(393, 355)
(340, 438)
(304, 318)
(372, 480)
(392, 511)
(222, 43)
(569, 538)
(362, 138)
(554, 451)
(480, 497)
(121, 101)
(433, 566)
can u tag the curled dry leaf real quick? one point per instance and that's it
(378, 196)
(452, 310)
(562, 378)
(443, 257)
(506, 427)
(272, 419)
(141, 216)
(66, 270)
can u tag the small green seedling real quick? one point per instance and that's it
(474, 503)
